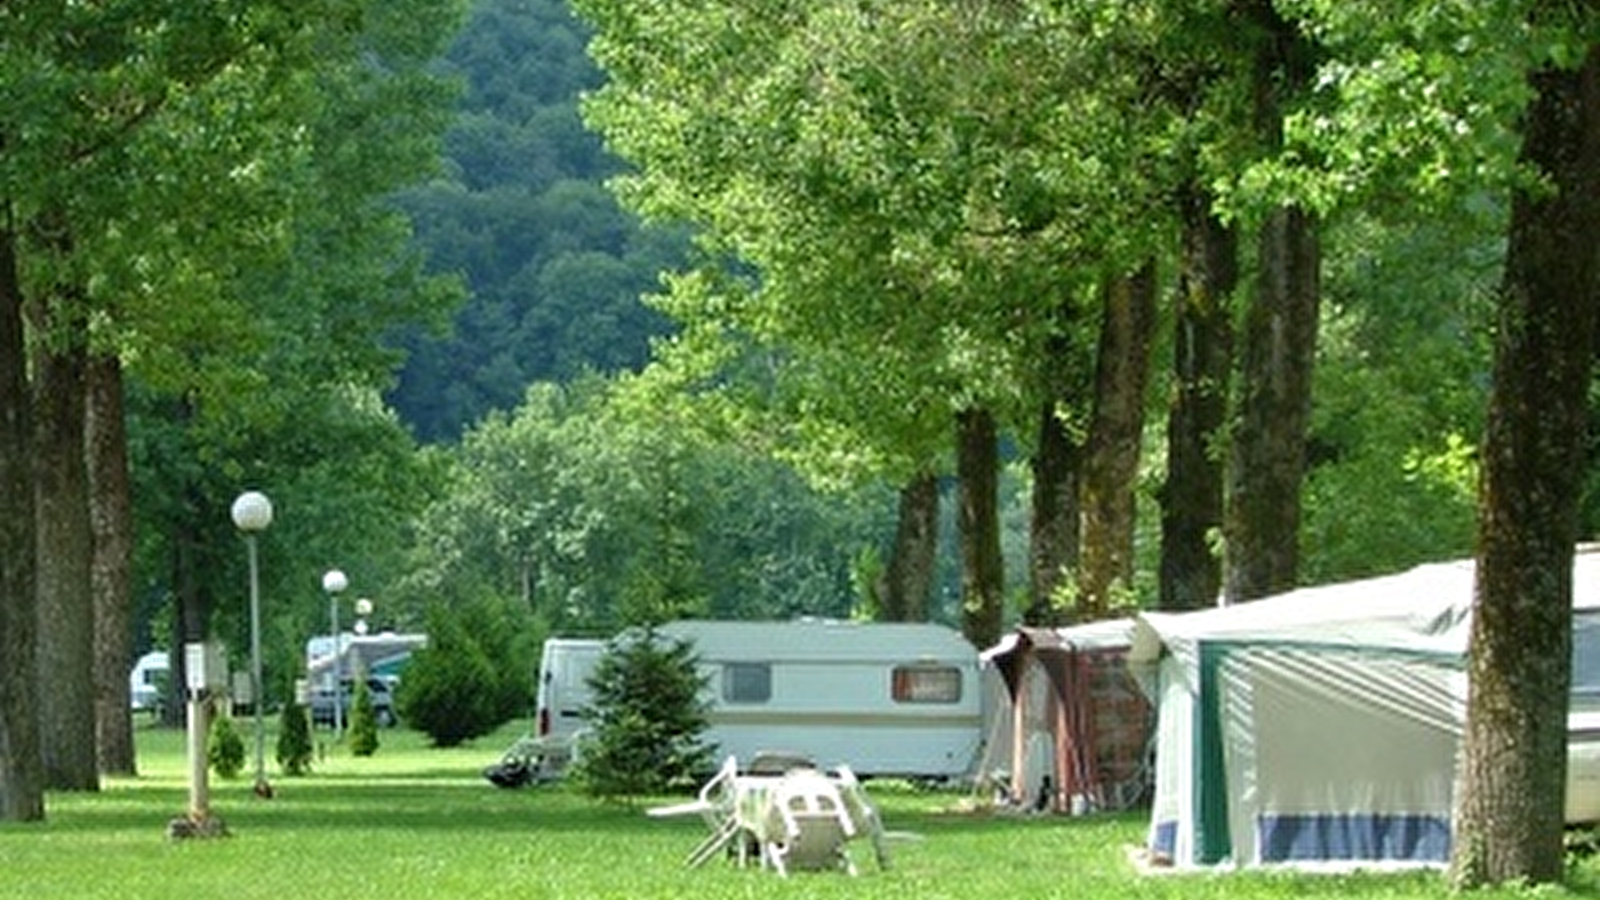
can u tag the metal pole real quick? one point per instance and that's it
(199, 789)
(338, 667)
(258, 700)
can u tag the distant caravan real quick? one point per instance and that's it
(885, 698)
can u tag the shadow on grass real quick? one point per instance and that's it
(453, 808)
(443, 800)
(448, 800)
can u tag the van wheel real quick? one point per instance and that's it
(385, 718)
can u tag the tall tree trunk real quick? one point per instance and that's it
(1202, 358)
(66, 604)
(111, 516)
(1058, 458)
(1509, 811)
(1262, 520)
(1111, 462)
(908, 580)
(1053, 532)
(982, 572)
(21, 762)
(192, 602)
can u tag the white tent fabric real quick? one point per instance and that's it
(1318, 728)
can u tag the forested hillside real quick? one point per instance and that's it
(553, 267)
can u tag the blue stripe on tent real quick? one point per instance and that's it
(1354, 836)
(1164, 838)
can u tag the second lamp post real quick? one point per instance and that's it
(334, 583)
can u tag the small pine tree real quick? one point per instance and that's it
(646, 719)
(295, 749)
(363, 721)
(450, 685)
(225, 748)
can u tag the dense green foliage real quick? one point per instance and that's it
(294, 750)
(473, 675)
(646, 719)
(598, 508)
(264, 364)
(1401, 387)
(554, 266)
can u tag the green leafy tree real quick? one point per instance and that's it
(361, 119)
(1440, 109)
(225, 747)
(130, 127)
(596, 507)
(971, 175)
(1401, 395)
(645, 721)
(452, 690)
(294, 749)
(363, 721)
(1509, 819)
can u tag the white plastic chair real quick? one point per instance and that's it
(714, 805)
(862, 813)
(812, 825)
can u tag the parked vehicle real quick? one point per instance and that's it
(381, 690)
(147, 682)
(562, 697)
(885, 698)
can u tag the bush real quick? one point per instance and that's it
(646, 720)
(294, 739)
(473, 675)
(225, 748)
(450, 685)
(363, 721)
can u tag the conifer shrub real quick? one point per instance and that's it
(225, 747)
(295, 750)
(363, 721)
(646, 721)
(450, 685)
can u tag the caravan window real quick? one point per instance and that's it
(927, 684)
(1586, 658)
(746, 682)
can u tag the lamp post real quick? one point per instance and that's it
(333, 581)
(252, 513)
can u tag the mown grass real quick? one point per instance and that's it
(417, 822)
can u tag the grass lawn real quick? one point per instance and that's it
(415, 822)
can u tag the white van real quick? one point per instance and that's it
(885, 698)
(563, 694)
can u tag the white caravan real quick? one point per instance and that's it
(886, 698)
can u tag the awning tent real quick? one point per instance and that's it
(1069, 730)
(1321, 727)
